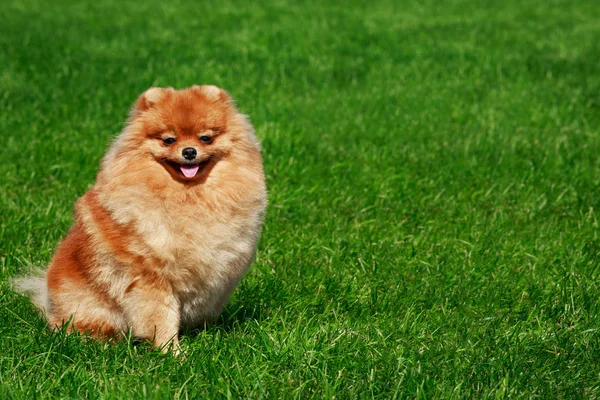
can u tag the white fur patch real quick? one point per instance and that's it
(211, 91)
(35, 287)
(153, 95)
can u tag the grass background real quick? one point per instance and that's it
(434, 193)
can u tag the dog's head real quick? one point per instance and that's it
(186, 131)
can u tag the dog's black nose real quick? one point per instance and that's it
(189, 153)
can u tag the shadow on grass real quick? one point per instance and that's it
(233, 316)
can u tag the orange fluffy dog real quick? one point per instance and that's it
(168, 229)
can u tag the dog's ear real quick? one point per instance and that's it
(212, 92)
(150, 97)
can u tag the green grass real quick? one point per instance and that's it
(434, 189)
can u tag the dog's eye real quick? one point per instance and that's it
(206, 139)
(215, 129)
(169, 141)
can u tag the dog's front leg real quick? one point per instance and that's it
(152, 311)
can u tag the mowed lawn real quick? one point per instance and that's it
(434, 180)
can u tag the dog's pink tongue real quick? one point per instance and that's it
(189, 170)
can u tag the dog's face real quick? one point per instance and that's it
(186, 131)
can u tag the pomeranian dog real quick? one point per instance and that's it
(168, 229)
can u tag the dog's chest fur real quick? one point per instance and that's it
(203, 257)
(201, 253)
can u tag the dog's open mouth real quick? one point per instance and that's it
(188, 170)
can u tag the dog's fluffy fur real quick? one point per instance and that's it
(160, 241)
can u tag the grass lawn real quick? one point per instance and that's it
(434, 193)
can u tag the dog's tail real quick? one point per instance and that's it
(35, 287)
